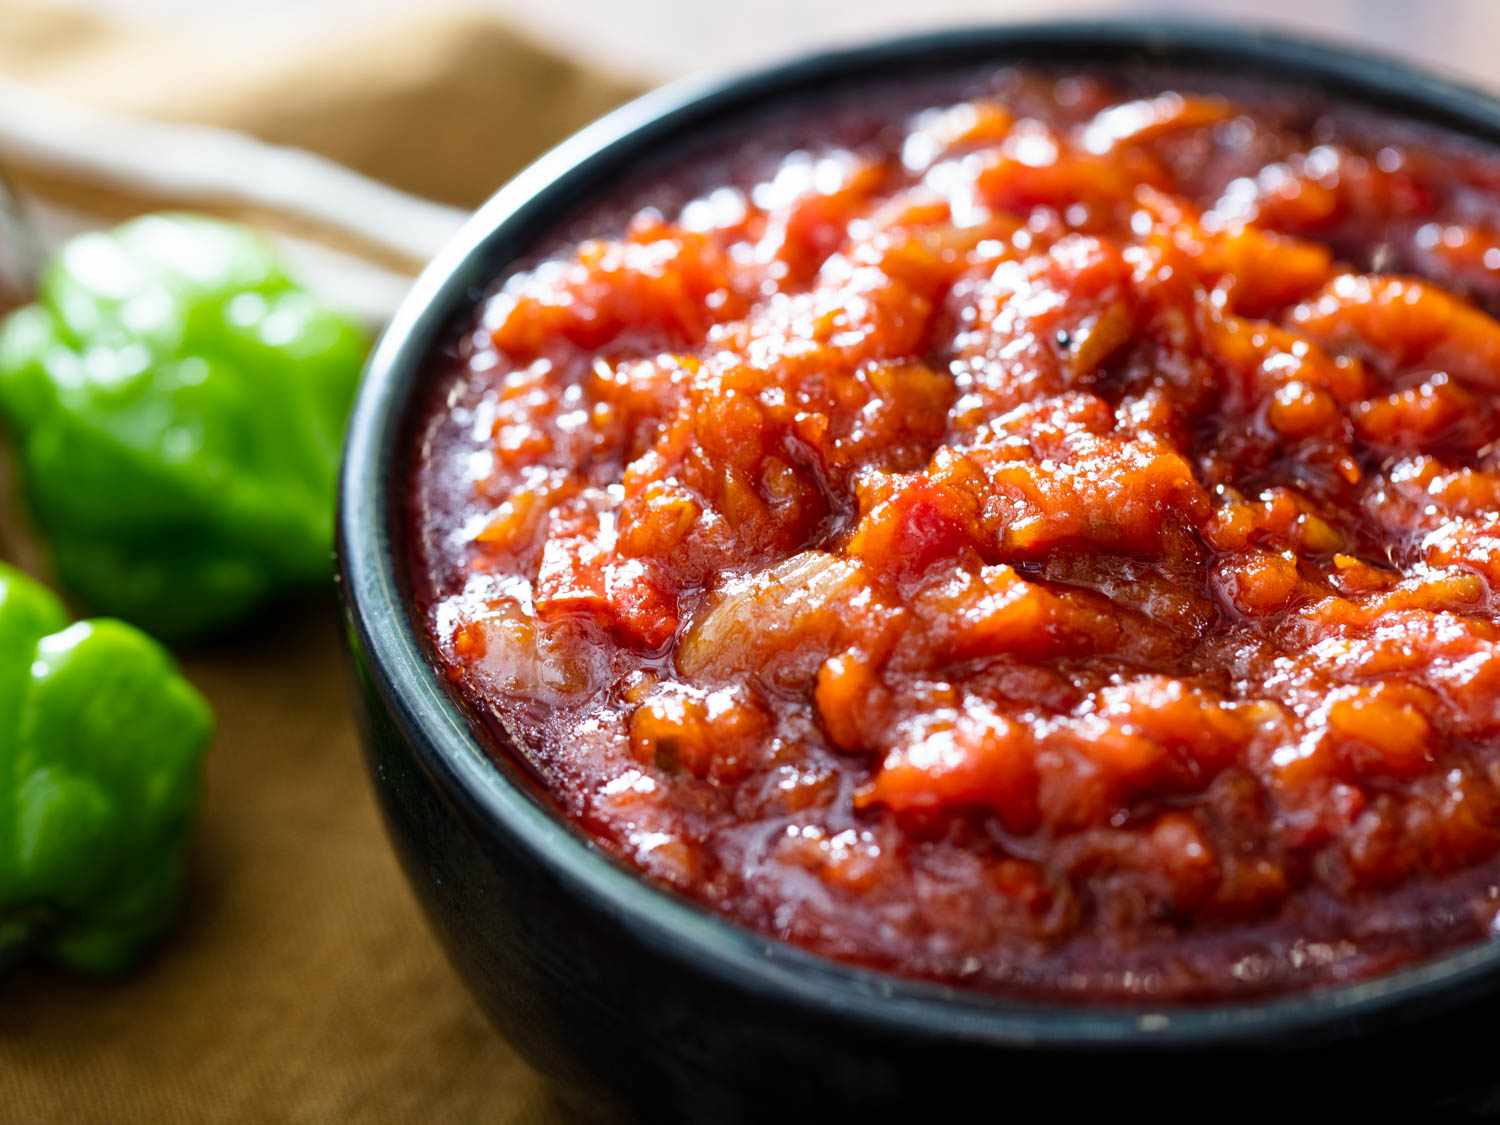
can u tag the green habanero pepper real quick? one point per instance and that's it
(179, 404)
(100, 738)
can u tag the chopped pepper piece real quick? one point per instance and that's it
(178, 403)
(100, 738)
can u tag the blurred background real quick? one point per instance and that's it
(656, 37)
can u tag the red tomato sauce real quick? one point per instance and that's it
(1035, 532)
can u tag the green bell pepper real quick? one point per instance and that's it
(179, 404)
(100, 738)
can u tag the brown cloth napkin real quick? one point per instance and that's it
(302, 984)
(440, 101)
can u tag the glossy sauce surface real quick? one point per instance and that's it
(1033, 531)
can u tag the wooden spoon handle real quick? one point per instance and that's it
(79, 166)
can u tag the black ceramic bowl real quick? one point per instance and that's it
(637, 1001)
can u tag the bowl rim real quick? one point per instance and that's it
(443, 739)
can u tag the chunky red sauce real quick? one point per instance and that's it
(1038, 533)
